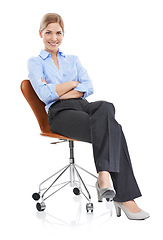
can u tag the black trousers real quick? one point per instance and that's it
(95, 123)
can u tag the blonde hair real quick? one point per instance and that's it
(51, 18)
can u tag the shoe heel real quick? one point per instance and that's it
(99, 197)
(118, 210)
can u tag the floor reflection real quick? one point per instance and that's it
(79, 218)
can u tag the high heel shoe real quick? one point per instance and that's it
(132, 216)
(107, 193)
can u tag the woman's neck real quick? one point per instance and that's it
(53, 53)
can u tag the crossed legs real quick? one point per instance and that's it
(95, 123)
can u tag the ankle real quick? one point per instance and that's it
(103, 179)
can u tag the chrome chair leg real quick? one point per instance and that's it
(40, 186)
(77, 190)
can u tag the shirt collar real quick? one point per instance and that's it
(61, 53)
(44, 54)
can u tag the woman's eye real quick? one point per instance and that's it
(47, 32)
(58, 33)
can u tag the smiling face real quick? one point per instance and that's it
(52, 37)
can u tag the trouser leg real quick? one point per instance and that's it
(111, 151)
(68, 119)
(106, 136)
(124, 181)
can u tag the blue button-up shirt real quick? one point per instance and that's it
(70, 69)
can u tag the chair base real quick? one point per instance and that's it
(77, 185)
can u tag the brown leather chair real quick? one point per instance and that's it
(38, 108)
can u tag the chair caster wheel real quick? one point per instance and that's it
(76, 191)
(89, 207)
(40, 206)
(36, 196)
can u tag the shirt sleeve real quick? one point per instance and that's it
(85, 83)
(46, 92)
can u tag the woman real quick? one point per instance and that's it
(63, 84)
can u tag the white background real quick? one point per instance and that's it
(120, 44)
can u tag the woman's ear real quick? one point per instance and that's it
(40, 33)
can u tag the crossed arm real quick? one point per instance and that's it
(65, 90)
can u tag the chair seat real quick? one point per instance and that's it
(55, 135)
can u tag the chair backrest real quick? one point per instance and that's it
(36, 104)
